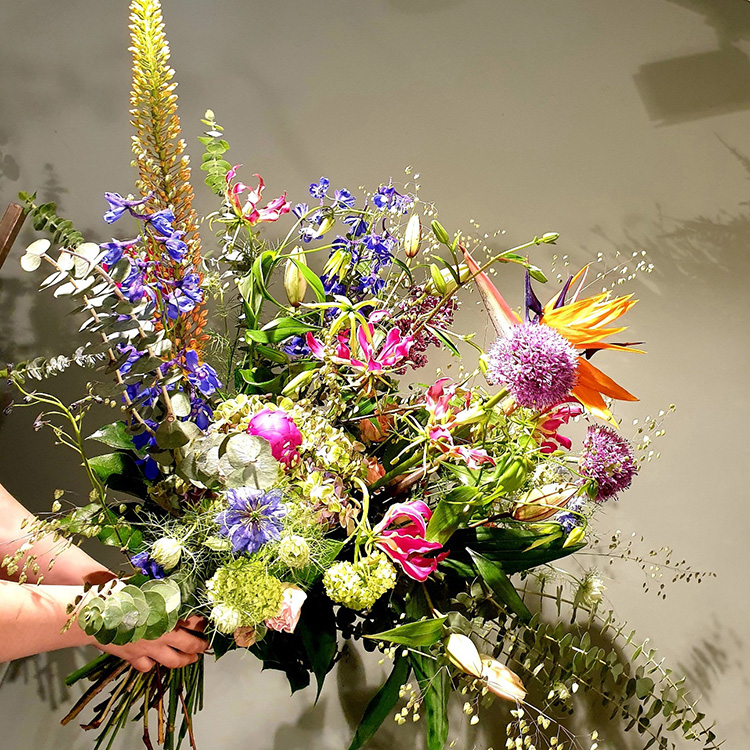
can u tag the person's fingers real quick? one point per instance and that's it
(142, 663)
(194, 622)
(185, 641)
(173, 659)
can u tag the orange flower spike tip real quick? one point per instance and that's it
(502, 317)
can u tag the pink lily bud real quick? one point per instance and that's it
(279, 429)
(502, 681)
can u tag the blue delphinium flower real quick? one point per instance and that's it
(200, 413)
(149, 467)
(184, 296)
(202, 376)
(118, 205)
(147, 566)
(175, 246)
(387, 197)
(371, 284)
(254, 518)
(319, 189)
(296, 346)
(115, 250)
(332, 284)
(357, 223)
(162, 222)
(380, 249)
(134, 286)
(344, 198)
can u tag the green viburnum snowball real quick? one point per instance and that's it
(246, 586)
(360, 585)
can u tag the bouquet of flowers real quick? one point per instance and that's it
(271, 470)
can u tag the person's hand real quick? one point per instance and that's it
(177, 648)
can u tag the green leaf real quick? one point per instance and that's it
(312, 279)
(434, 683)
(278, 330)
(169, 435)
(317, 629)
(119, 472)
(114, 435)
(382, 703)
(644, 687)
(447, 343)
(451, 512)
(493, 575)
(414, 634)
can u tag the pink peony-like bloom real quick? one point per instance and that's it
(291, 607)
(392, 353)
(249, 212)
(401, 535)
(279, 429)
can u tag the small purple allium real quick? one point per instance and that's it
(536, 364)
(253, 518)
(608, 459)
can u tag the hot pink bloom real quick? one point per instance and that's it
(392, 353)
(291, 607)
(549, 422)
(279, 429)
(250, 212)
(443, 417)
(401, 535)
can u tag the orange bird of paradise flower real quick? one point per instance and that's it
(585, 323)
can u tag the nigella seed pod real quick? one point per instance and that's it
(295, 284)
(412, 237)
(166, 552)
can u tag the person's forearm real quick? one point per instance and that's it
(72, 565)
(32, 619)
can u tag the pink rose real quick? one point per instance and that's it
(278, 428)
(291, 606)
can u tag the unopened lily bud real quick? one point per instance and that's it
(295, 284)
(439, 231)
(502, 681)
(325, 226)
(438, 280)
(412, 237)
(446, 279)
(462, 653)
(166, 552)
(543, 502)
(550, 238)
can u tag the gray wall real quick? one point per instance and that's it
(608, 122)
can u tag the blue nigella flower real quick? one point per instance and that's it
(319, 189)
(253, 519)
(147, 566)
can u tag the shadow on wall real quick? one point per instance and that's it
(687, 246)
(704, 84)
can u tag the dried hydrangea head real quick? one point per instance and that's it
(535, 363)
(608, 459)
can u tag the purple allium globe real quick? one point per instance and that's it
(252, 519)
(608, 459)
(535, 363)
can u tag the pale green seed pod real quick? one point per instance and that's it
(166, 552)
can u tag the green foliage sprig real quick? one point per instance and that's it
(44, 218)
(214, 164)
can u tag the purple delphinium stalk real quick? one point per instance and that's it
(608, 459)
(202, 376)
(252, 519)
(147, 566)
(535, 363)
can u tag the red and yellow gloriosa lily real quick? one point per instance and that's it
(585, 323)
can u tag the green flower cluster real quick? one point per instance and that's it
(243, 594)
(359, 585)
